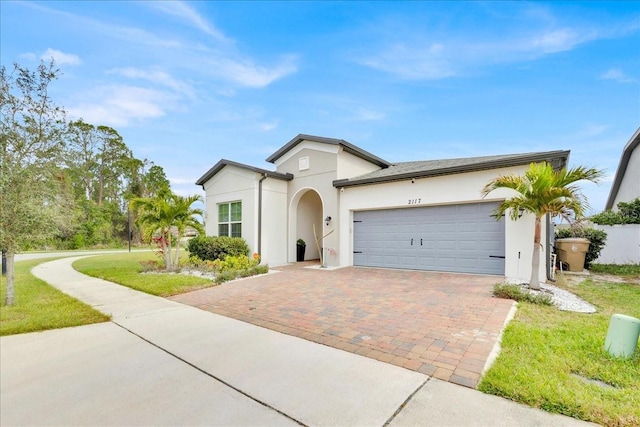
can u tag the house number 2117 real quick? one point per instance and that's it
(414, 201)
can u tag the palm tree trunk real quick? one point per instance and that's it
(9, 297)
(176, 260)
(168, 266)
(534, 282)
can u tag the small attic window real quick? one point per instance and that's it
(303, 163)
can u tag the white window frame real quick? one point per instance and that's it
(230, 223)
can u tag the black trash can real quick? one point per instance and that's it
(4, 262)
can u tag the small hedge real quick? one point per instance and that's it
(210, 248)
(628, 213)
(596, 237)
(516, 293)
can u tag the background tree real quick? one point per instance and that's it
(165, 218)
(541, 191)
(627, 213)
(81, 156)
(31, 144)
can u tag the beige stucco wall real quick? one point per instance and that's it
(350, 166)
(229, 185)
(274, 221)
(630, 185)
(236, 184)
(449, 189)
(318, 177)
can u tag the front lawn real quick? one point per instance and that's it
(125, 269)
(544, 350)
(39, 306)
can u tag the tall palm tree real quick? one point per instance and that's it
(162, 214)
(541, 191)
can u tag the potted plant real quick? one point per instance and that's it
(300, 248)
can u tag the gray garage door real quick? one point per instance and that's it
(457, 238)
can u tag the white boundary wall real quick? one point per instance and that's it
(622, 245)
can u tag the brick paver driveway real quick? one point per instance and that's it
(440, 324)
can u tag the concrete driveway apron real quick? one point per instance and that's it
(440, 324)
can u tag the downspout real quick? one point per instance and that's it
(264, 176)
(549, 246)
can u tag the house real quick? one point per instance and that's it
(626, 184)
(425, 215)
(623, 241)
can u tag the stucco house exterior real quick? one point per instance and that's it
(623, 241)
(425, 215)
(626, 184)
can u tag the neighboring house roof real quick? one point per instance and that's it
(428, 168)
(222, 163)
(622, 168)
(347, 146)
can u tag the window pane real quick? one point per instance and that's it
(223, 229)
(223, 212)
(236, 211)
(236, 230)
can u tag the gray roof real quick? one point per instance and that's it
(347, 146)
(222, 163)
(622, 168)
(428, 168)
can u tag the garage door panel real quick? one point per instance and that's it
(459, 238)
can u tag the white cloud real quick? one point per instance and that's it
(184, 11)
(413, 62)
(267, 126)
(368, 115)
(421, 59)
(121, 106)
(219, 60)
(551, 42)
(246, 73)
(60, 58)
(158, 77)
(29, 56)
(415, 51)
(616, 75)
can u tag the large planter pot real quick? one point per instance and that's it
(300, 252)
(572, 251)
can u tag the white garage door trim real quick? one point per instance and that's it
(462, 238)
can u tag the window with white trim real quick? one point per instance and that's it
(230, 219)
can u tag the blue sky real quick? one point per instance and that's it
(188, 83)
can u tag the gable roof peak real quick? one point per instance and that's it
(346, 146)
(224, 162)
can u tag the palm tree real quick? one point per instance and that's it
(541, 191)
(162, 214)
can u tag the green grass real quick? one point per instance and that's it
(39, 306)
(516, 293)
(543, 346)
(624, 270)
(126, 269)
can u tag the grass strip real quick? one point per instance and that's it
(39, 306)
(542, 347)
(625, 270)
(125, 269)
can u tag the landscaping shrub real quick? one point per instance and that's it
(516, 293)
(628, 213)
(217, 247)
(241, 262)
(230, 268)
(596, 237)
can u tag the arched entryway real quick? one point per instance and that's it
(306, 211)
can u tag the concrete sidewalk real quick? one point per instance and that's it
(163, 363)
